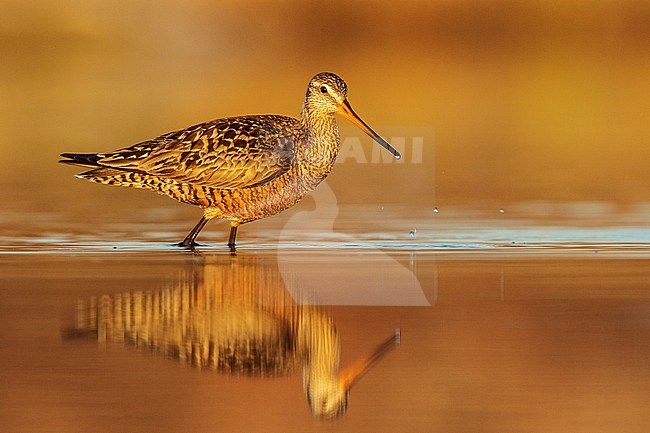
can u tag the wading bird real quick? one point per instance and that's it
(237, 168)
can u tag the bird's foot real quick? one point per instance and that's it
(187, 245)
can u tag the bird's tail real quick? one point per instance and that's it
(81, 159)
(102, 174)
(99, 173)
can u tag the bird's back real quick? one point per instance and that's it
(228, 153)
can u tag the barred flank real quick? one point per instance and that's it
(180, 191)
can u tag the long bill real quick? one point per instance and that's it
(352, 374)
(346, 110)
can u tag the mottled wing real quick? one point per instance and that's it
(228, 153)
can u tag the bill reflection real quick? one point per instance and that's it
(233, 316)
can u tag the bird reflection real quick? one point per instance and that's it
(233, 315)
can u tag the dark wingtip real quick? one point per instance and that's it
(84, 159)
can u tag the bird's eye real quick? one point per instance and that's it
(323, 89)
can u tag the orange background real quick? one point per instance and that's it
(519, 101)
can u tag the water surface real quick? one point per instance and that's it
(492, 339)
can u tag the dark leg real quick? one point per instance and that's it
(188, 242)
(233, 236)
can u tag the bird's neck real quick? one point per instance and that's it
(321, 145)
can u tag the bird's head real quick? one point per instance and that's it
(327, 94)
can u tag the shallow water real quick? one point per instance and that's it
(495, 336)
(510, 245)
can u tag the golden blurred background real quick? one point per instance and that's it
(513, 101)
(529, 106)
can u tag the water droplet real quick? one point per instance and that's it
(435, 210)
(412, 233)
(502, 210)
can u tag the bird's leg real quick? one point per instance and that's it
(188, 242)
(233, 235)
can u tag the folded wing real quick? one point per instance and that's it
(236, 152)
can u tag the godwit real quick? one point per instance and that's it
(237, 168)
